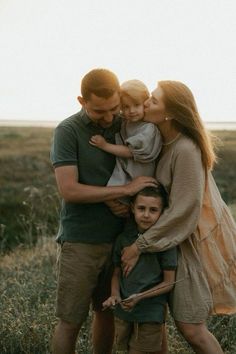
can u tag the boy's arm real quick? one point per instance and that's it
(117, 150)
(164, 287)
(115, 290)
(115, 282)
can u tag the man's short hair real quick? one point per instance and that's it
(101, 82)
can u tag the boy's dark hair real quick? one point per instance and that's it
(158, 191)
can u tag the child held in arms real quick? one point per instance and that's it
(139, 299)
(138, 143)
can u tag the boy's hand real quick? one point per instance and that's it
(111, 302)
(98, 140)
(130, 302)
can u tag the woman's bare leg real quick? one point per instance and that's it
(199, 338)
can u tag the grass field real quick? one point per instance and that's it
(29, 201)
(28, 184)
(29, 206)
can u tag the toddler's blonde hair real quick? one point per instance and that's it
(136, 90)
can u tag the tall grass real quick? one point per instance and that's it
(29, 201)
(27, 286)
(28, 289)
(29, 208)
(36, 215)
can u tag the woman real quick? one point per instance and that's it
(197, 220)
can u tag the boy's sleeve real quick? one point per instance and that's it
(168, 259)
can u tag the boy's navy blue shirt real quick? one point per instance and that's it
(147, 273)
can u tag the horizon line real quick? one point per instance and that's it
(17, 123)
(60, 120)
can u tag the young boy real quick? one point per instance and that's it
(138, 143)
(140, 317)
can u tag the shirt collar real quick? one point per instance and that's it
(87, 121)
(131, 227)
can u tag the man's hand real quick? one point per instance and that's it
(118, 208)
(111, 302)
(98, 140)
(139, 183)
(130, 256)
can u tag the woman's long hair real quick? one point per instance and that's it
(181, 107)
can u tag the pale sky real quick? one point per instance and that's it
(47, 46)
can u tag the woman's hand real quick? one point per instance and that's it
(119, 209)
(130, 256)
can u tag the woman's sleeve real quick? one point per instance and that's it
(180, 219)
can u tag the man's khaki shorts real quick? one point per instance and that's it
(84, 276)
(146, 337)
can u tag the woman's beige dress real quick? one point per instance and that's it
(200, 223)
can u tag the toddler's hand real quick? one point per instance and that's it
(97, 140)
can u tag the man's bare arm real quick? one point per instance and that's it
(72, 191)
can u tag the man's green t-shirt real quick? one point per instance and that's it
(89, 222)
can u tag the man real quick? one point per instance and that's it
(88, 227)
